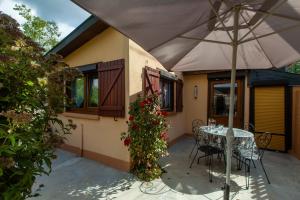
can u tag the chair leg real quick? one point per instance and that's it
(253, 164)
(247, 172)
(194, 158)
(245, 165)
(238, 162)
(224, 157)
(262, 165)
(210, 168)
(198, 160)
(241, 163)
(193, 149)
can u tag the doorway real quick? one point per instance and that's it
(219, 98)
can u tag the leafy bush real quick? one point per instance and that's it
(146, 137)
(31, 95)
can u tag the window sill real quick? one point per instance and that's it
(171, 113)
(81, 115)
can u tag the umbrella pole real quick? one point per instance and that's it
(229, 134)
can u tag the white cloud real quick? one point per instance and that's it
(7, 6)
(65, 29)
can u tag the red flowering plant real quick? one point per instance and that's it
(147, 137)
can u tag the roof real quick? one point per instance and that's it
(88, 29)
(273, 77)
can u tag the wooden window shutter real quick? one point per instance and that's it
(151, 80)
(179, 95)
(112, 88)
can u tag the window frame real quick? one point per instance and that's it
(171, 90)
(111, 89)
(86, 109)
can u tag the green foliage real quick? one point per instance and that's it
(294, 68)
(146, 137)
(39, 30)
(31, 95)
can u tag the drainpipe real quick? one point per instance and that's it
(81, 152)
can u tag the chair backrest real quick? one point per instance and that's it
(249, 127)
(262, 142)
(196, 124)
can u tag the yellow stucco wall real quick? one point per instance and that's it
(198, 108)
(101, 134)
(138, 59)
(195, 108)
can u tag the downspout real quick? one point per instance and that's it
(81, 150)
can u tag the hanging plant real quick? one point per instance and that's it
(147, 136)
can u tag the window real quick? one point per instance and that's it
(221, 99)
(101, 89)
(166, 94)
(93, 91)
(85, 93)
(77, 93)
(166, 83)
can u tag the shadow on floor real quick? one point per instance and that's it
(195, 181)
(103, 190)
(80, 178)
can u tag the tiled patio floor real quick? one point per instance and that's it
(79, 178)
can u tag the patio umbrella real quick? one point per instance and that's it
(191, 35)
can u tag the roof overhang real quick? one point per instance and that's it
(91, 27)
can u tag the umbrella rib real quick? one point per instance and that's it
(196, 46)
(230, 28)
(187, 30)
(266, 16)
(205, 40)
(274, 14)
(258, 42)
(217, 15)
(272, 33)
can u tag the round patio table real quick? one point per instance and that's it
(217, 131)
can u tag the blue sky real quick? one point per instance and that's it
(65, 13)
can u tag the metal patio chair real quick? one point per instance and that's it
(196, 124)
(255, 153)
(240, 143)
(249, 127)
(210, 146)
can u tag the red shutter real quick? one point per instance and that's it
(179, 95)
(151, 80)
(112, 88)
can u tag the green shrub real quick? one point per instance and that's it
(31, 95)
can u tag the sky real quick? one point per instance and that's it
(65, 13)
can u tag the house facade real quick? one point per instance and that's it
(115, 70)
(116, 67)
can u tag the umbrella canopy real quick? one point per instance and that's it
(188, 35)
(191, 35)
